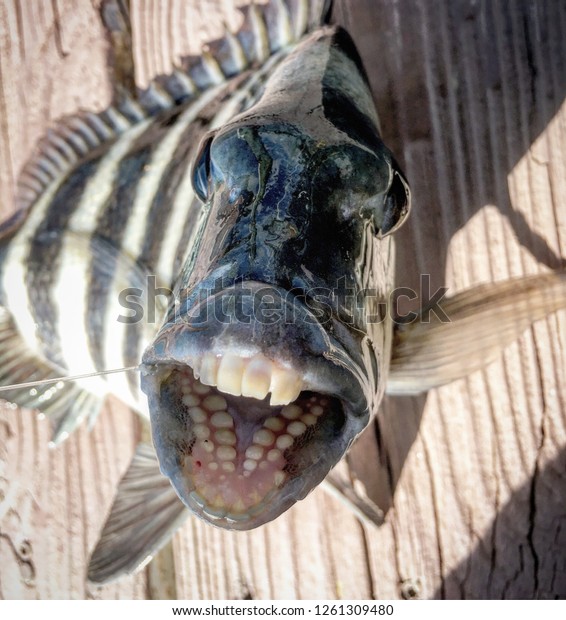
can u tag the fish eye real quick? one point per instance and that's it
(397, 203)
(201, 169)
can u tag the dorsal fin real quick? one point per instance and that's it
(68, 142)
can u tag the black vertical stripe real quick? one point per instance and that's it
(109, 231)
(44, 259)
(161, 208)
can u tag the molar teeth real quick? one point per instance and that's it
(273, 455)
(257, 378)
(201, 431)
(190, 400)
(264, 437)
(197, 415)
(296, 428)
(254, 452)
(215, 402)
(274, 424)
(226, 453)
(207, 446)
(230, 373)
(285, 386)
(309, 419)
(284, 441)
(222, 419)
(225, 437)
(250, 465)
(291, 412)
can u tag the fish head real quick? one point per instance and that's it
(258, 381)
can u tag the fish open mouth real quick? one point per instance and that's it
(241, 433)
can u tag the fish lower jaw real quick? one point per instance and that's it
(238, 459)
(254, 377)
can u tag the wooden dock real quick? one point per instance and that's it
(472, 476)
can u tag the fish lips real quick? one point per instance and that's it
(302, 344)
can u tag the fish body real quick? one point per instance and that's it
(292, 164)
(261, 335)
(114, 211)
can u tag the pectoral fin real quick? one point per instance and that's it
(145, 514)
(65, 403)
(481, 323)
(354, 498)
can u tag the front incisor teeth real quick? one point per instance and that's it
(257, 378)
(230, 374)
(252, 377)
(209, 369)
(285, 386)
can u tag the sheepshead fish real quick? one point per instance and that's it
(239, 221)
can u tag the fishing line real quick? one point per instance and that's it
(29, 384)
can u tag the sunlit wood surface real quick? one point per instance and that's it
(473, 475)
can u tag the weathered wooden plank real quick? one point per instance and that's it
(471, 100)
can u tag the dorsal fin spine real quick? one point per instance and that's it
(237, 53)
(99, 126)
(117, 121)
(47, 166)
(86, 132)
(73, 139)
(185, 83)
(261, 38)
(130, 108)
(212, 67)
(64, 147)
(279, 26)
(301, 21)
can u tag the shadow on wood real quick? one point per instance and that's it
(528, 532)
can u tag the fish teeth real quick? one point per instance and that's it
(253, 377)
(230, 374)
(257, 377)
(285, 386)
(209, 369)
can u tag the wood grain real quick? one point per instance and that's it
(472, 475)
